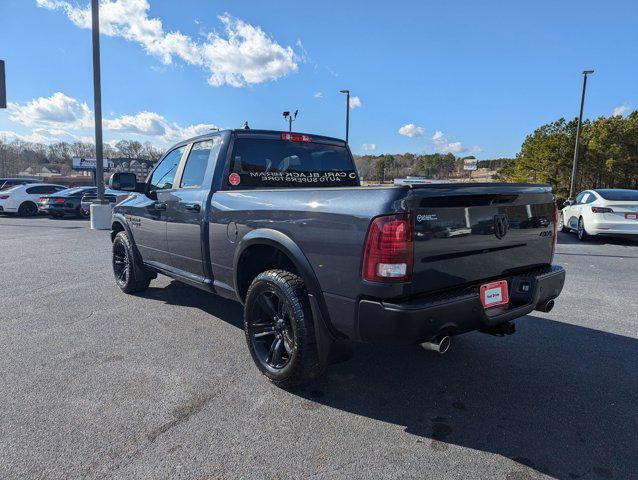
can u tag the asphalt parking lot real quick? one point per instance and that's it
(97, 384)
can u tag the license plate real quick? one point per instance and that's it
(495, 293)
(631, 216)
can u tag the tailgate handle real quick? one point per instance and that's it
(193, 207)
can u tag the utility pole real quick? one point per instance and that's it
(3, 86)
(572, 185)
(97, 101)
(347, 92)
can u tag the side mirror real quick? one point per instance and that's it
(124, 181)
(568, 203)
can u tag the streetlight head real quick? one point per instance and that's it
(344, 91)
(587, 72)
(286, 114)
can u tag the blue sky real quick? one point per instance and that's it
(462, 76)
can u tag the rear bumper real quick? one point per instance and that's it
(421, 320)
(56, 209)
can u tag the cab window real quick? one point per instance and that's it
(197, 162)
(163, 176)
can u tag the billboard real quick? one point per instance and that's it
(470, 164)
(89, 164)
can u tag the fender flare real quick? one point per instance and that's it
(276, 239)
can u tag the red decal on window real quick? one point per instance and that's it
(234, 179)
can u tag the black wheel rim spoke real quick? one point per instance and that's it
(120, 263)
(270, 331)
(267, 305)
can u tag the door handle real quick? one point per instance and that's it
(160, 206)
(193, 207)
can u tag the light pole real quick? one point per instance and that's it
(97, 101)
(347, 92)
(572, 185)
(290, 119)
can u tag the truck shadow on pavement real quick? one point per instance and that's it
(556, 398)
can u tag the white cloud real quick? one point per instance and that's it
(620, 110)
(369, 147)
(318, 95)
(438, 136)
(54, 118)
(355, 102)
(411, 130)
(155, 125)
(454, 147)
(144, 123)
(243, 55)
(441, 144)
(58, 110)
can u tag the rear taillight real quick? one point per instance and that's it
(4, 197)
(59, 200)
(601, 210)
(555, 239)
(296, 137)
(389, 249)
(41, 200)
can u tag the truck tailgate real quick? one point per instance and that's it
(464, 233)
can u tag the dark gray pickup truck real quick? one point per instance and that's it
(279, 222)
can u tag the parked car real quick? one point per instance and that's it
(12, 182)
(110, 196)
(601, 212)
(64, 202)
(22, 199)
(279, 222)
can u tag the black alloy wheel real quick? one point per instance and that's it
(279, 329)
(120, 263)
(270, 330)
(27, 209)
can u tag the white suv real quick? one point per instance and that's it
(23, 199)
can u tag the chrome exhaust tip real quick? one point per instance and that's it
(439, 345)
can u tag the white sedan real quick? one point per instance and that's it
(611, 212)
(23, 199)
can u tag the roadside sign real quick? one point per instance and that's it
(470, 164)
(89, 164)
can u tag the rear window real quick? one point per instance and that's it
(619, 195)
(265, 163)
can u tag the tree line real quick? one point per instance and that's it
(608, 155)
(387, 167)
(17, 155)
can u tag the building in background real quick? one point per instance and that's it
(139, 166)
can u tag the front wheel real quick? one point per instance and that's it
(581, 232)
(279, 329)
(129, 276)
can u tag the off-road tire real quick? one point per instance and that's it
(135, 279)
(303, 364)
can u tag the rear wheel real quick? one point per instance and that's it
(582, 233)
(129, 276)
(279, 329)
(27, 209)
